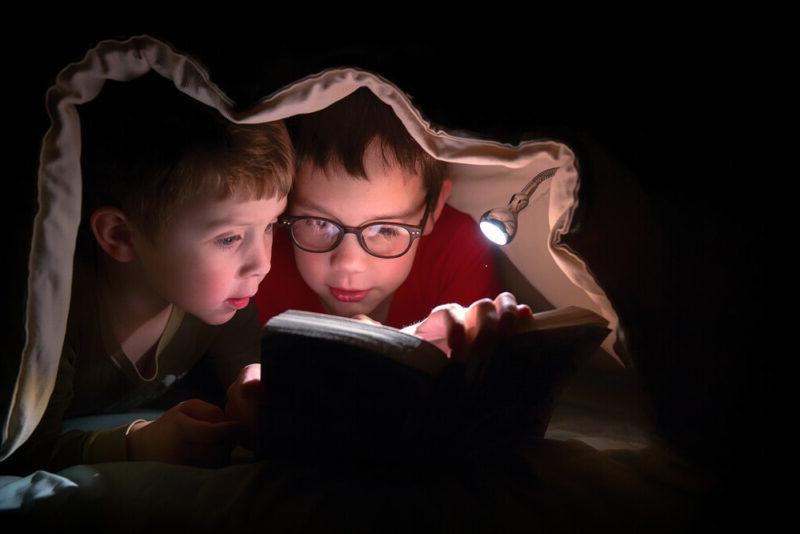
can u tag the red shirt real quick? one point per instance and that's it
(455, 263)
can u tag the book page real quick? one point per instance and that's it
(568, 316)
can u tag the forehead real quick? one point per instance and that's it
(385, 186)
(355, 201)
(205, 213)
(396, 178)
(383, 172)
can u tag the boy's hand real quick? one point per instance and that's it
(469, 335)
(365, 319)
(243, 396)
(487, 324)
(193, 432)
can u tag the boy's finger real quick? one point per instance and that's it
(506, 305)
(242, 410)
(525, 321)
(479, 315)
(251, 373)
(456, 340)
(484, 338)
(202, 422)
(447, 312)
(248, 383)
(449, 319)
(202, 410)
(505, 302)
(443, 327)
(365, 319)
(196, 431)
(524, 310)
(251, 389)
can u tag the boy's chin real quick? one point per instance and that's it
(215, 319)
(348, 309)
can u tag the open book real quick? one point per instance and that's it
(340, 388)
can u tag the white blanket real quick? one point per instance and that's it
(485, 174)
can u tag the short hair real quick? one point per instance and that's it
(338, 136)
(147, 149)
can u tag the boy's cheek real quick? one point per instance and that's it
(198, 290)
(382, 276)
(313, 268)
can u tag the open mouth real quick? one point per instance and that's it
(238, 303)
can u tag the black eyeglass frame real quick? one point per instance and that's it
(287, 221)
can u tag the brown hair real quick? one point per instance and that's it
(148, 149)
(340, 134)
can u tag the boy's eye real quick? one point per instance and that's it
(227, 242)
(389, 231)
(321, 226)
(383, 231)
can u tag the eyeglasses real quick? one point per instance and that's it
(380, 239)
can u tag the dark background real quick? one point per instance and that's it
(677, 123)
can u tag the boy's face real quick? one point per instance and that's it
(211, 256)
(348, 280)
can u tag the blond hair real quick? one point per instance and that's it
(149, 149)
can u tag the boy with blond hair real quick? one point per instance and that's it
(176, 235)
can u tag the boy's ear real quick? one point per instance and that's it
(112, 230)
(444, 194)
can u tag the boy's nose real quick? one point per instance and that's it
(258, 260)
(349, 256)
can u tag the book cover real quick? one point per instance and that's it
(339, 388)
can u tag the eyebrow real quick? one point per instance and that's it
(210, 225)
(216, 223)
(311, 205)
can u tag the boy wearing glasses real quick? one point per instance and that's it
(368, 230)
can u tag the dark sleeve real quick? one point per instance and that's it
(50, 449)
